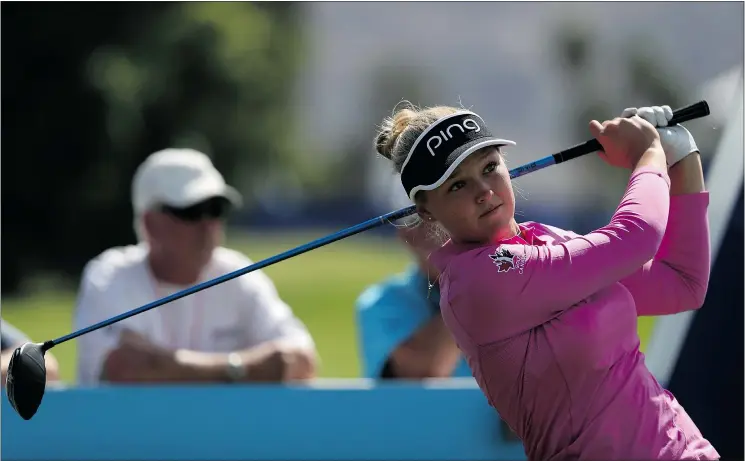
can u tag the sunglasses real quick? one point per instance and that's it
(214, 208)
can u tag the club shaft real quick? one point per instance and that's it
(699, 109)
(364, 226)
(370, 224)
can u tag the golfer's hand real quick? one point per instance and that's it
(677, 141)
(625, 140)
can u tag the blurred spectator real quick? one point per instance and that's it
(402, 334)
(10, 339)
(240, 330)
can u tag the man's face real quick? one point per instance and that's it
(188, 235)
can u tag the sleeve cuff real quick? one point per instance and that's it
(651, 170)
(694, 199)
(687, 206)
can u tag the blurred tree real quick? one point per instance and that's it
(648, 80)
(390, 83)
(653, 81)
(90, 90)
(218, 80)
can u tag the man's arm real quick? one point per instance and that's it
(50, 363)
(272, 361)
(281, 337)
(102, 295)
(5, 362)
(431, 352)
(283, 351)
(400, 336)
(136, 359)
(12, 338)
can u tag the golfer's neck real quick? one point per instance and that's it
(167, 271)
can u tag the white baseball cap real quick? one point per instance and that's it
(178, 178)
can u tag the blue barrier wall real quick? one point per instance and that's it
(354, 420)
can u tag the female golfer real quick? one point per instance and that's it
(545, 317)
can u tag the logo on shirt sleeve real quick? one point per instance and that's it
(506, 261)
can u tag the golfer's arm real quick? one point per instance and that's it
(677, 278)
(687, 176)
(430, 352)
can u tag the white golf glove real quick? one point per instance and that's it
(677, 141)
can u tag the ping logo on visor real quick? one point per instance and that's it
(442, 147)
(435, 141)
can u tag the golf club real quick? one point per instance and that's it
(26, 380)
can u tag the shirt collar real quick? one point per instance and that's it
(531, 233)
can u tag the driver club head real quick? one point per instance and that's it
(27, 377)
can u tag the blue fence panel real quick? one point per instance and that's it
(356, 420)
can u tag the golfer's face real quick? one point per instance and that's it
(477, 201)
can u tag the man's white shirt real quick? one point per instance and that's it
(237, 314)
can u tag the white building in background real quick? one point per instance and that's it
(497, 57)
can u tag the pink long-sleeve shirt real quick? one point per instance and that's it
(548, 323)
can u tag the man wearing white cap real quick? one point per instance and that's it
(240, 330)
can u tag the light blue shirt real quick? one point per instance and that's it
(390, 312)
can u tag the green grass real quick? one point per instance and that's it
(321, 286)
